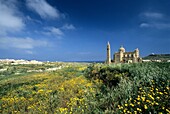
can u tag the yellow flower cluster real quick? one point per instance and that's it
(148, 99)
(41, 92)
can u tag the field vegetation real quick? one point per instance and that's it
(162, 57)
(81, 88)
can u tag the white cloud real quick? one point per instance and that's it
(53, 31)
(68, 27)
(144, 25)
(152, 15)
(10, 21)
(157, 25)
(57, 32)
(21, 43)
(44, 9)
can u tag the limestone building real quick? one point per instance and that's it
(122, 56)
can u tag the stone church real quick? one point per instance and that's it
(122, 56)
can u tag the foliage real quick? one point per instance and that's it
(110, 75)
(82, 88)
(150, 99)
(163, 57)
(134, 76)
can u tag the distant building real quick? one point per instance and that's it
(122, 56)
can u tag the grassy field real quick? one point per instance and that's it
(79, 88)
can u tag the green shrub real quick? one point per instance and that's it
(122, 82)
(110, 75)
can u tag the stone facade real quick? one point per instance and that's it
(122, 56)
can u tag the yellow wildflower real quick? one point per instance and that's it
(165, 92)
(132, 104)
(167, 110)
(143, 98)
(158, 97)
(62, 89)
(40, 91)
(139, 109)
(148, 101)
(128, 111)
(82, 110)
(145, 107)
(126, 104)
(160, 93)
(138, 98)
(29, 107)
(156, 103)
(119, 107)
(31, 99)
(130, 99)
(151, 96)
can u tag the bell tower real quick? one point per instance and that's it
(108, 61)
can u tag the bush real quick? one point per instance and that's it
(110, 75)
(122, 82)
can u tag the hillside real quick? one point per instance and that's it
(158, 57)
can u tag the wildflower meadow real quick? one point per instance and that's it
(81, 88)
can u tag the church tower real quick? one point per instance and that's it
(137, 52)
(108, 61)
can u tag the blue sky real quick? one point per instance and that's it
(78, 30)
